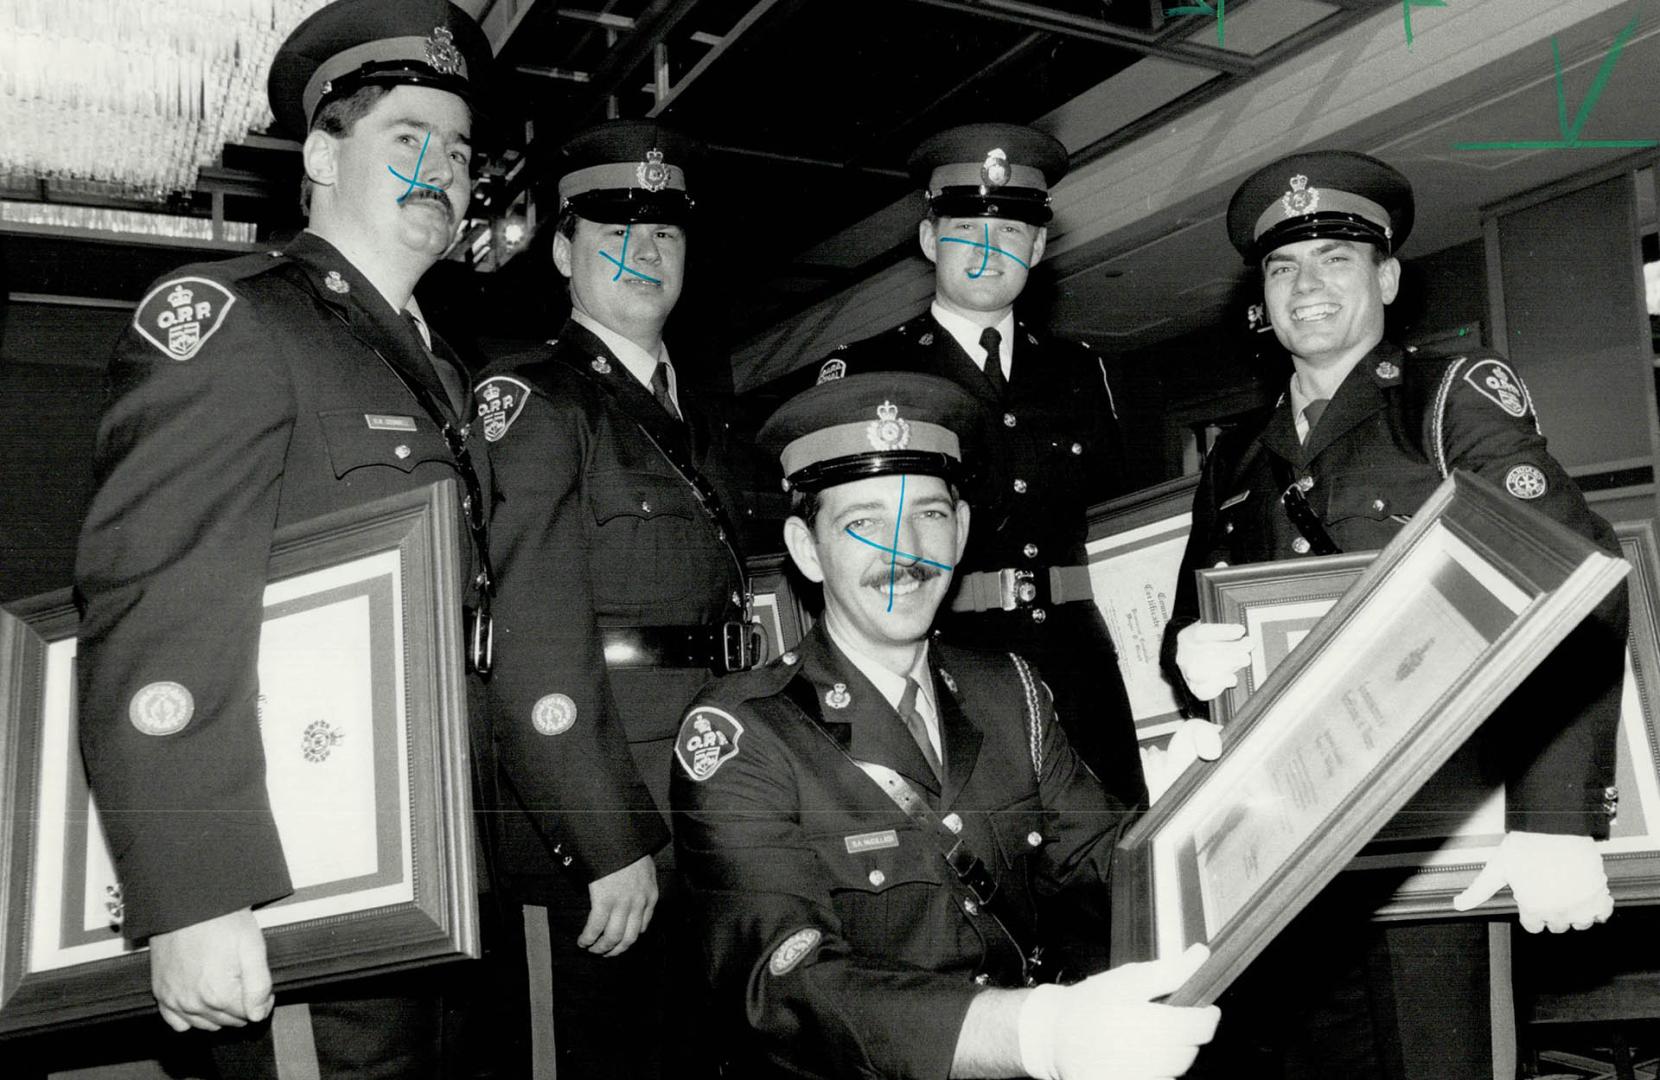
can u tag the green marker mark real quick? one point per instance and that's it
(1570, 132)
(1203, 8)
(1406, 13)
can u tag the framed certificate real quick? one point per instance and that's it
(363, 719)
(1435, 633)
(1446, 832)
(783, 620)
(1135, 553)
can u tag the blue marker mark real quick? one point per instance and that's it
(621, 269)
(411, 181)
(1406, 14)
(894, 554)
(1570, 132)
(1220, 11)
(986, 250)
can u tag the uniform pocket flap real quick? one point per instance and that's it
(357, 438)
(874, 867)
(645, 495)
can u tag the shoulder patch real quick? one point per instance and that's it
(500, 400)
(1494, 381)
(178, 316)
(1526, 482)
(832, 370)
(794, 949)
(708, 739)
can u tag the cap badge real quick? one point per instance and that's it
(336, 283)
(652, 173)
(888, 431)
(1301, 199)
(442, 54)
(994, 171)
(837, 696)
(832, 370)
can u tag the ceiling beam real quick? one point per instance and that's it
(741, 27)
(1099, 31)
(652, 28)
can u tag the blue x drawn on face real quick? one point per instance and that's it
(894, 554)
(411, 181)
(985, 252)
(621, 269)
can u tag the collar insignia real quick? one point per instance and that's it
(837, 697)
(601, 365)
(1301, 199)
(1388, 370)
(888, 431)
(336, 283)
(950, 683)
(652, 173)
(442, 54)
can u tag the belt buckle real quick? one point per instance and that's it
(738, 651)
(481, 646)
(1016, 589)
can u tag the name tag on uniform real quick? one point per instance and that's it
(378, 422)
(1236, 500)
(871, 841)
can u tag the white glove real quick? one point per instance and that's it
(1557, 881)
(1210, 656)
(1194, 740)
(1107, 1027)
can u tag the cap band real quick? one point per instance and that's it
(411, 49)
(826, 474)
(970, 174)
(616, 176)
(1326, 201)
(853, 440)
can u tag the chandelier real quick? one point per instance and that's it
(132, 97)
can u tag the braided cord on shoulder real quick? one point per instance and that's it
(1034, 725)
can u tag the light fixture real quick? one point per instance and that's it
(131, 99)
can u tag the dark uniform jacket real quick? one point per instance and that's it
(246, 395)
(594, 529)
(834, 933)
(1048, 450)
(1397, 426)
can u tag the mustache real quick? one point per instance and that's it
(428, 193)
(919, 573)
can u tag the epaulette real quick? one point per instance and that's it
(243, 267)
(758, 682)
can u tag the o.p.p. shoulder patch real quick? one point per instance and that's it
(179, 316)
(794, 949)
(708, 739)
(1494, 381)
(501, 399)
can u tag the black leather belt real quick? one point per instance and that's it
(723, 648)
(1019, 590)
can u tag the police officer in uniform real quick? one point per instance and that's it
(1050, 429)
(1362, 435)
(622, 590)
(246, 396)
(816, 798)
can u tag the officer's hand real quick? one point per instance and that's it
(620, 908)
(1107, 1028)
(1557, 881)
(1210, 656)
(212, 974)
(1194, 740)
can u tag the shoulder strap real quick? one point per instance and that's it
(1034, 714)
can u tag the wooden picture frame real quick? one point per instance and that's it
(1135, 551)
(1437, 631)
(1449, 829)
(364, 719)
(784, 621)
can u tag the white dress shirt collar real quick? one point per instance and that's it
(892, 686)
(967, 333)
(639, 363)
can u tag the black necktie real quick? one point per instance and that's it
(1312, 411)
(660, 389)
(447, 377)
(918, 726)
(992, 342)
